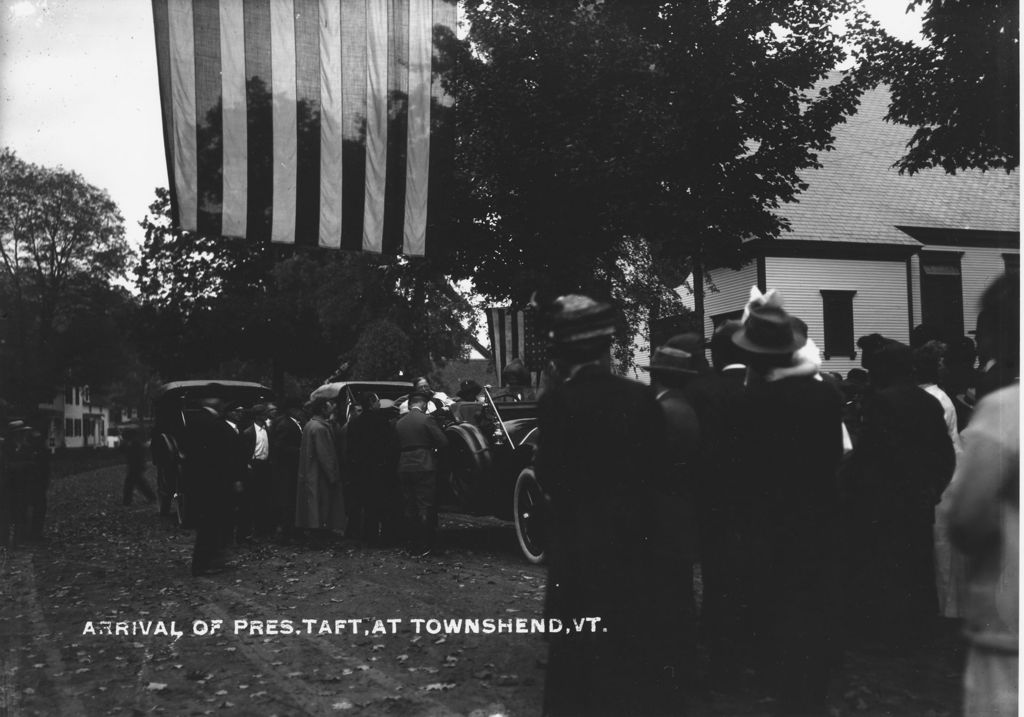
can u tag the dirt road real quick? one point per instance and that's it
(104, 618)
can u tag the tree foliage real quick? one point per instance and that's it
(961, 89)
(208, 302)
(61, 245)
(585, 128)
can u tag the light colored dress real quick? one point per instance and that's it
(949, 564)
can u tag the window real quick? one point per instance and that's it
(69, 427)
(78, 397)
(85, 394)
(1011, 264)
(838, 314)
(78, 427)
(942, 295)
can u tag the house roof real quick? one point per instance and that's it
(858, 196)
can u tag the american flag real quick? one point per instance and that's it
(315, 122)
(513, 334)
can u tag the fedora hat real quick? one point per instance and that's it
(768, 330)
(577, 319)
(680, 354)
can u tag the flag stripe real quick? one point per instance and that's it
(233, 117)
(259, 73)
(285, 126)
(417, 172)
(308, 111)
(398, 100)
(163, 62)
(513, 341)
(442, 138)
(353, 108)
(331, 120)
(209, 150)
(376, 124)
(183, 93)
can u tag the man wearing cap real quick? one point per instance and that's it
(601, 458)
(419, 439)
(791, 441)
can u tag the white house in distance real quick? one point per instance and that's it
(76, 422)
(873, 251)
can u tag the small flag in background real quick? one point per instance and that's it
(513, 335)
(313, 122)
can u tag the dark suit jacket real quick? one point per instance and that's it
(791, 444)
(285, 438)
(905, 457)
(418, 438)
(601, 458)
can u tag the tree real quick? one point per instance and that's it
(207, 301)
(61, 245)
(586, 127)
(961, 89)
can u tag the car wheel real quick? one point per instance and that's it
(529, 504)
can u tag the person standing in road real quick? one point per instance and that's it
(419, 439)
(285, 443)
(602, 460)
(258, 500)
(319, 479)
(791, 441)
(673, 367)
(723, 509)
(135, 463)
(984, 514)
(212, 453)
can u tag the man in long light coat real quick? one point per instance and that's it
(319, 504)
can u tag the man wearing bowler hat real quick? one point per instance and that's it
(791, 439)
(601, 459)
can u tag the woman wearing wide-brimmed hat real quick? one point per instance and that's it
(791, 437)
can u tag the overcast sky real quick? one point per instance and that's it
(78, 88)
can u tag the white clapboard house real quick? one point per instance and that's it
(874, 251)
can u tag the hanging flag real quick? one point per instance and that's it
(311, 122)
(513, 335)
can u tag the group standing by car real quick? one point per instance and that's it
(813, 521)
(24, 483)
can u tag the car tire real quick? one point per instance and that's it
(528, 504)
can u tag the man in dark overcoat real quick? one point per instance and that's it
(791, 441)
(372, 452)
(903, 462)
(601, 459)
(723, 508)
(673, 367)
(215, 469)
(285, 443)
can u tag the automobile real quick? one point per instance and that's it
(175, 404)
(345, 392)
(490, 468)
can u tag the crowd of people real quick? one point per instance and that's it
(823, 511)
(316, 471)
